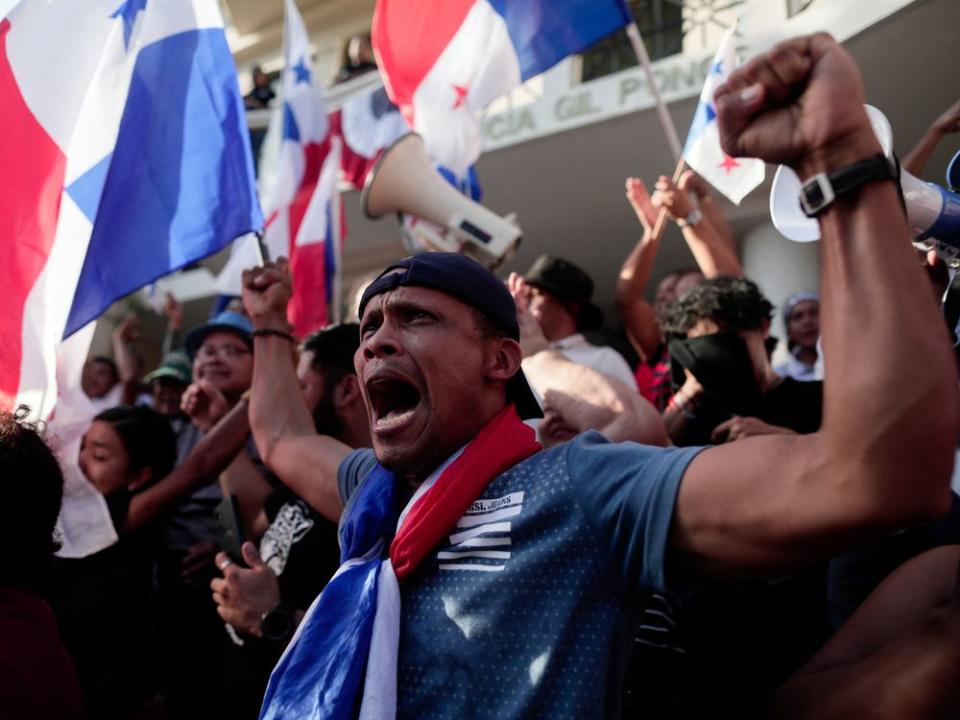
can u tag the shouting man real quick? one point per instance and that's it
(483, 577)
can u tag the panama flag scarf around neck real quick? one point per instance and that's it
(349, 637)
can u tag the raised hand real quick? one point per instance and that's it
(675, 200)
(128, 331)
(204, 404)
(639, 199)
(532, 339)
(800, 104)
(174, 312)
(266, 292)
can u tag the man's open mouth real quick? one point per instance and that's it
(392, 401)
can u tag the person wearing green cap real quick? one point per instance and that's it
(168, 382)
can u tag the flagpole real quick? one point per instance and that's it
(669, 129)
(337, 309)
(633, 32)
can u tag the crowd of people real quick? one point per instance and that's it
(461, 507)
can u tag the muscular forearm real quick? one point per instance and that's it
(277, 407)
(887, 419)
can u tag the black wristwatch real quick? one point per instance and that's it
(822, 189)
(277, 625)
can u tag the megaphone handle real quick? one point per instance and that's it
(661, 223)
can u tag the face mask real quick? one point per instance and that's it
(722, 365)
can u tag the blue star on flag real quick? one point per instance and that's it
(301, 71)
(128, 11)
(717, 68)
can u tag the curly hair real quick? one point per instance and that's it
(31, 488)
(733, 303)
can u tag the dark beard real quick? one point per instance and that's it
(325, 418)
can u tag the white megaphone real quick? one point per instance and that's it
(933, 213)
(403, 180)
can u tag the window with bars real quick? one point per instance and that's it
(669, 27)
(661, 25)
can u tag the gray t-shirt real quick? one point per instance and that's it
(528, 609)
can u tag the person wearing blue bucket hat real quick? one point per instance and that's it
(222, 354)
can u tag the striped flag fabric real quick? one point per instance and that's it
(303, 207)
(734, 177)
(443, 61)
(315, 256)
(125, 157)
(368, 124)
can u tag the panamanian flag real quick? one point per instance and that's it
(125, 156)
(734, 177)
(303, 206)
(443, 61)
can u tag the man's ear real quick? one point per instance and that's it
(140, 479)
(765, 327)
(347, 391)
(505, 359)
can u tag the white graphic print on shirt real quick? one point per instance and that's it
(482, 534)
(292, 522)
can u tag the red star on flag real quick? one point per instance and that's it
(728, 164)
(461, 92)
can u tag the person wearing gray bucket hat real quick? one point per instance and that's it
(559, 294)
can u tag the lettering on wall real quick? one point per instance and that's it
(624, 92)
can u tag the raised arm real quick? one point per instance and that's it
(128, 358)
(282, 425)
(200, 467)
(714, 254)
(949, 122)
(712, 211)
(580, 397)
(885, 449)
(638, 315)
(171, 336)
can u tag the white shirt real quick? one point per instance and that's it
(797, 370)
(599, 357)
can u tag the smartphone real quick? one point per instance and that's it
(230, 533)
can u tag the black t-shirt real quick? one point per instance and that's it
(300, 546)
(791, 404)
(102, 602)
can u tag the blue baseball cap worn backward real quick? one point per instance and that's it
(472, 284)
